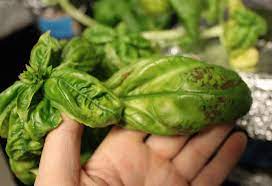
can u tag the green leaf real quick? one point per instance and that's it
(23, 170)
(43, 119)
(80, 55)
(83, 98)
(7, 103)
(155, 7)
(214, 11)
(242, 30)
(27, 97)
(44, 54)
(137, 16)
(190, 13)
(118, 48)
(19, 144)
(110, 12)
(99, 34)
(178, 95)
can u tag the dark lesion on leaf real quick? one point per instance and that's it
(229, 84)
(198, 73)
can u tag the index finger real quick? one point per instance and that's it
(60, 160)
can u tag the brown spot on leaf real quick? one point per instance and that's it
(228, 84)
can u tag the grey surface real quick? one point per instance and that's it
(13, 16)
(6, 178)
(249, 178)
(262, 4)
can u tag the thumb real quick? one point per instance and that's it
(60, 160)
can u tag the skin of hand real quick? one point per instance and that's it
(132, 158)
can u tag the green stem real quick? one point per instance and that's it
(176, 34)
(76, 14)
(212, 32)
(164, 34)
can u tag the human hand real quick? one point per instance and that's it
(133, 158)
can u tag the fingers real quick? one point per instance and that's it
(166, 146)
(199, 149)
(59, 164)
(221, 165)
(121, 152)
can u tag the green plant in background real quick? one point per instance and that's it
(79, 54)
(155, 7)
(118, 47)
(151, 17)
(214, 11)
(104, 48)
(157, 95)
(137, 15)
(190, 14)
(240, 34)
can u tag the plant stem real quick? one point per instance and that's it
(213, 32)
(164, 34)
(76, 14)
(178, 33)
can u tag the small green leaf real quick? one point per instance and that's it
(44, 54)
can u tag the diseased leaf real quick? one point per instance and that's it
(177, 95)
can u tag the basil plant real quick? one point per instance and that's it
(157, 95)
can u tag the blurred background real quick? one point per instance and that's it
(22, 22)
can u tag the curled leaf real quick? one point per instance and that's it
(7, 103)
(42, 120)
(83, 98)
